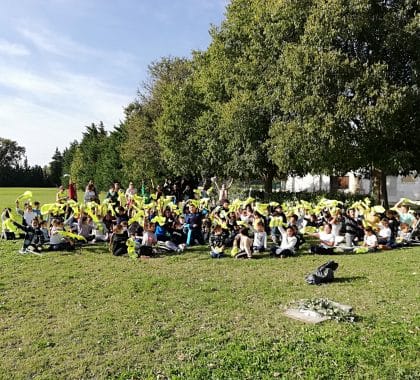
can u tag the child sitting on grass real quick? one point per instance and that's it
(404, 235)
(370, 240)
(85, 227)
(244, 243)
(288, 243)
(8, 230)
(117, 243)
(27, 214)
(217, 242)
(385, 239)
(57, 241)
(193, 222)
(260, 238)
(148, 241)
(33, 237)
(45, 231)
(100, 232)
(326, 243)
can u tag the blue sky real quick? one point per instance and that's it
(67, 63)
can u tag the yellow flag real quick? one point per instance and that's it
(26, 195)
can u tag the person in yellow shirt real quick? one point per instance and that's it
(61, 196)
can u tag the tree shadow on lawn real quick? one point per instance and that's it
(349, 279)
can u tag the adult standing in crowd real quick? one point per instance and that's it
(72, 190)
(61, 196)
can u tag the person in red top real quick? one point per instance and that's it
(72, 190)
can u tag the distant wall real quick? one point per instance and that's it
(307, 183)
(403, 187)
(398, 186)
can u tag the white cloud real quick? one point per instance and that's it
(12, 49)
(19, 80)
(43, 112)
(47, 102)
(62, 46)
(47, 41)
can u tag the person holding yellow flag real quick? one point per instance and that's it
(61, 196)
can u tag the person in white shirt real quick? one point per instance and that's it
(326, 241)
(100, 232)
(288, 243)
(130, 193)
(57, 241)
(260, 238)
(385, 238)
(28, 213)
(370, 240)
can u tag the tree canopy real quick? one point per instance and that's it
(14, 168)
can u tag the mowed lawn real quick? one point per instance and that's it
(88, 314)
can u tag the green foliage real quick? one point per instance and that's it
(178, 135)
(55, 170)
(110, 166)
(68, 156)
(350, 89)
(151, 143)
(140, 152)
(88, 154)
(309, 196)
(11, 154)
(237, 77)
(14, 168)
(327, 308)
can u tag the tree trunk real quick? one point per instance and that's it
(268, 182)
(384, 190)
(333, 184)
(379, 188)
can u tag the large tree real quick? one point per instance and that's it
(11, 154)
(238, 78)
(178, 134)
(140, 152)
(11, 158)
(350, 95)
(68, 155)
(153, 137)
(55, 170)
(88, 153)
(110, 165)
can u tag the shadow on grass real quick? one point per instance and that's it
(349, 279)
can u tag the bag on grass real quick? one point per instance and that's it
(8, 235)
(324, 274)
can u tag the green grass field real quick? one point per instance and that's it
(91, 315)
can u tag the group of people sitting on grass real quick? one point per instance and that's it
(144, 224)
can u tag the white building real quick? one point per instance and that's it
(398, 186)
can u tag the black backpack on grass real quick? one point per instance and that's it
(324, 274)
(8, 235)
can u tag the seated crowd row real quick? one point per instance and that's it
(247, 229)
